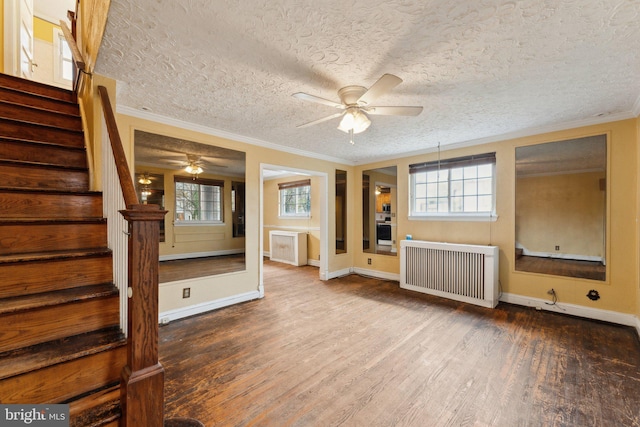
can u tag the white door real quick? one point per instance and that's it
(18, 32)
(26, 39)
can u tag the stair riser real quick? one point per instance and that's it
(34, 205)
(33, 115)
(28, 278)
(61, 382)
(26, 131)
(31, 100)
(21, 239)
(16, 83)
(43, 178)
(55, 322)
(43, 153)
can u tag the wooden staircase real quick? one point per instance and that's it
(60, 340)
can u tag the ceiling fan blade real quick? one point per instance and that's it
(324, 119)
(393, 111)
(379, 88)
(317, 99)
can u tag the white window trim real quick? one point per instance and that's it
(306, 215)
(469, 216)
(57, 60)
(456, 216)
(197, 223)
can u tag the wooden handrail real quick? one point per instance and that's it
(124, 174)
(79, 65)
(75, 52)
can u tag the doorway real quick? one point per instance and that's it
(273, 178)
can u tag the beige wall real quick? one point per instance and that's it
(191, 239)
(310, 225)
(619, 292)
(1, 36)
(561, 210)
(224, 286)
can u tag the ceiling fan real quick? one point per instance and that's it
(356, 105)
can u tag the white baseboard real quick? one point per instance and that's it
(638, 326)
(378, 274)
(201, 254)
(574, 310)
(313, 262)
(179, 313)
(339, 273)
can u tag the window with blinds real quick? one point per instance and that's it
(463, 186)
(295, 198)
(198, 201)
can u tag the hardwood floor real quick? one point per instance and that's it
(359, 351)
(198, 267)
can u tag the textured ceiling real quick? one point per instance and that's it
(480, 69)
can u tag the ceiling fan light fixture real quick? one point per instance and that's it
(193, 169)
(354, 120)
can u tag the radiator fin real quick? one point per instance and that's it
(462, 272)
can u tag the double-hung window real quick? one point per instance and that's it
(198, 201)
(462, 187)
(295, 198)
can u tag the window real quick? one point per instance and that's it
(198, 201)
(62, 59)
(463, 186)
(295, 198)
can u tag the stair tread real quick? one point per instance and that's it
(23, 163)
(50, 191)
(38, 108)
(41, 143)
(52, 255)
(36, 88)
(95, 408)
(15, 96)
(41, 355)
(49, 299)
(44, 221)
(40, 125)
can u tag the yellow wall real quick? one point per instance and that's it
(309, 225)
(43, 30)
(561, 210)
(227, 285)
(190, 239)
(1, 36)
(619, 292)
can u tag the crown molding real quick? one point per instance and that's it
(146, 115)
(539, 130)
(636, 107)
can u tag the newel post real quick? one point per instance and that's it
(142, 385)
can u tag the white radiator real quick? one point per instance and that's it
(288, 246)
(467, 273)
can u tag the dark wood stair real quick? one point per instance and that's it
(61, 341)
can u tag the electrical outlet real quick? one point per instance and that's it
(557, 248)
(369, 261)
(186, 292)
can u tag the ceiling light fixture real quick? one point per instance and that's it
(144, 179)
(193, 169)
(354, 120)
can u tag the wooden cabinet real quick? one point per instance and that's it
(382, 199)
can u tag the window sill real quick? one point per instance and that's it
(461, 217)
(294, 216)
(197, 223)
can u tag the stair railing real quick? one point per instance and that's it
(142, 385)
